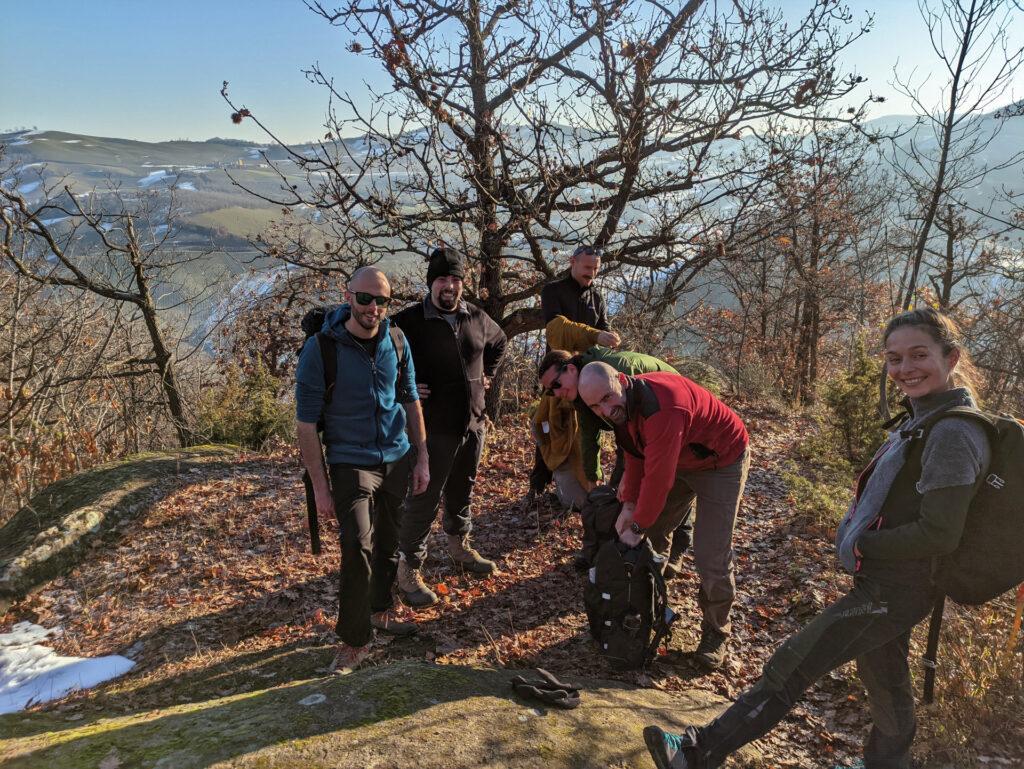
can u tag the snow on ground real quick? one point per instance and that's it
(187, 186)
(152, 178)
(31, 673)
(72, 141)
(25, 189)
(20, 143)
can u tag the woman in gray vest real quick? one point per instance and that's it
(910, 507)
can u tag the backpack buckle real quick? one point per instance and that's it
(912, 435)
(995, 481)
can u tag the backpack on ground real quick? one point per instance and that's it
(627, 604)
(990, 557)
(624, 594)
(312, 322)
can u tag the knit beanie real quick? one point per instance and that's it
(442, 263)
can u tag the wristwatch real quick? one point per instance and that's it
(633, 527)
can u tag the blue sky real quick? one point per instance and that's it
(152, 71)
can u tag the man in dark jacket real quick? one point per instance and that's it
(681, 442)
(456, 348)
(365, 421)
(574, 297)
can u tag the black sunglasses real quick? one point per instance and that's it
(557, 384)
(588, 251)
(364, 298)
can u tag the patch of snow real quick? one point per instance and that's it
(187, 186)
(152, 178)
(25, 189)
(72, 141)
(20, 143)
(33, 132)
(159, 231)
(31, 673)
(53, 221)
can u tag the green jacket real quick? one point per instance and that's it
(625, 362)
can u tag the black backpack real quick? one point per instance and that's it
(624, 594)
(312, 322)
(990, 557)
(599, 513)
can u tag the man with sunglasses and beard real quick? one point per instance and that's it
(457, 348)
(365, 418)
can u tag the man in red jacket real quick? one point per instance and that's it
(680, 442)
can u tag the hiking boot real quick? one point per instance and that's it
(412, 588)
(348, 659)
(673, 566)
(710, 652)
(673, 751)
(468, 558)
(387, 622)
(528, 500)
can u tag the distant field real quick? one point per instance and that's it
(238, 221)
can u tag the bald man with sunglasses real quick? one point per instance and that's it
(369, 421)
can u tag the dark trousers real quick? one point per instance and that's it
(368, 505)
(541, 475)
(871, 624)
(454, 460)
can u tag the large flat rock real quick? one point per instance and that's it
(411, 714)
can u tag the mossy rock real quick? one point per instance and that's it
(407, 714)
(50, 535)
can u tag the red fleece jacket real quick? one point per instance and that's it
(678, 427)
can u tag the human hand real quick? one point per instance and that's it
(420, 474)
(608, 339)
(423, 390)
(622, 523)
(630, 537)
(324, 501)
(487, 383)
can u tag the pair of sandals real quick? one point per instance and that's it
(548, 689)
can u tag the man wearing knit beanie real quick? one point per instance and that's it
(456, 348)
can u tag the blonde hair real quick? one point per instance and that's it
(946, 333)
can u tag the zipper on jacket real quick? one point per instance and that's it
(373, 391)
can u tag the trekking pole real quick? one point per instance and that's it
(930, 654)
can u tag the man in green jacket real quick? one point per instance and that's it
(559, 372)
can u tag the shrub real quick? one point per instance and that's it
(846, 436)
(245, 410)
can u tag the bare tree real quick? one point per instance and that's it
(943, 156)
(113, 250)
(514, 131)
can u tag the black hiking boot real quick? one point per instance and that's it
(710, 652)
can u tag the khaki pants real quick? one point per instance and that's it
(571, 493)
(718, 493)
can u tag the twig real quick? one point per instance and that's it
(497, 653)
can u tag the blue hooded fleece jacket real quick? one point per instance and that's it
(364, 424)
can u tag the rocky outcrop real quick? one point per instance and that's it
(51, 534)
(410, 714)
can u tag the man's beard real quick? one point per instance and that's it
(369, 322)
(447, 301)
(618, 416)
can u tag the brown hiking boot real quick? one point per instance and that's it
(348, 659)
(412, 588)
(468, 558)
(388, 622)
